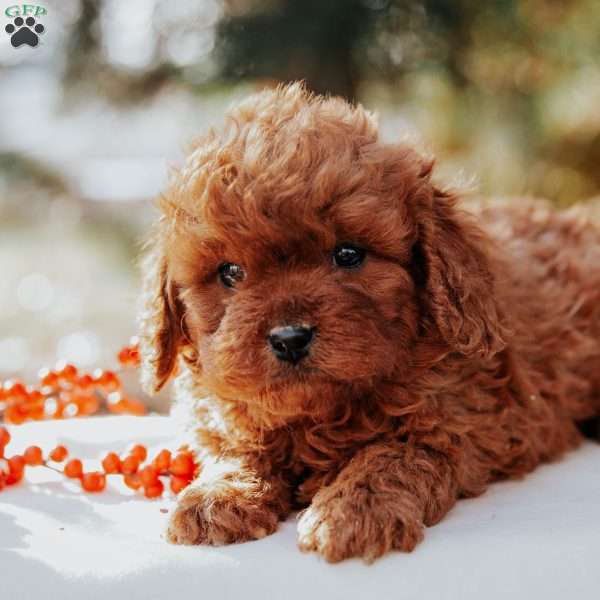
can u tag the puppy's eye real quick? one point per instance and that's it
(348, 256)
(230, 274)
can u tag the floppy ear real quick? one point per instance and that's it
(453, 261)
(161, 322)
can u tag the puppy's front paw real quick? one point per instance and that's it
(338, 528)
(219, 515)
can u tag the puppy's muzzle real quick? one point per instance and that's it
(290, 343)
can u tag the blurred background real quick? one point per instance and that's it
(506, 92)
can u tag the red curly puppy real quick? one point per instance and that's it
(349, 341)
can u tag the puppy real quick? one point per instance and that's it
(348, 341)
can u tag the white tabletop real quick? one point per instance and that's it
(536, 538)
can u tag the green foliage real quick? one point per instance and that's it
(506, 88)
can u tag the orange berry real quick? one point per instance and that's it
(134, 357)
(130, 465)
(132, 481)
(162, 461)
(14, 389)
(139, 451)
(16, 469)
(183, 465)
(59, 454)
(124, 356)
(85, 382)
(178, 483)
(66, 372)
(155, 490)
(148, 476)
(14, 415)
(14, 478)
(74, 469)
(93, 482)
(33, 456)
(119, 404)
(2, 481)
(111, 463)
(132, 406)
(48, 378)
(114, 402)
(107, 380)
(36, 413)
(25, 409)
(87, 404)
(34, 405)
(4, 437)
(16, 464)
(35, 396)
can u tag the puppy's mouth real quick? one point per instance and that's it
(301, 370)
(305, 381)
(288, 392)
(292, 375)
(285, 379)
(288, 398)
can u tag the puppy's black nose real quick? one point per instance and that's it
(290, 343)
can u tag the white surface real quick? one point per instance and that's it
(538, 538)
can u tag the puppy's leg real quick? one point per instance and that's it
(380, 501)
(228, 503)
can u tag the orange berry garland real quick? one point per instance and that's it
(63, 392)
(180, 471)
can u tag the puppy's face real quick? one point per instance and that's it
(290, 263)
(313, 303)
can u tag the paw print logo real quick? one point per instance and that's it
(24, 32)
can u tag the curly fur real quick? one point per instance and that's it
(464, 350)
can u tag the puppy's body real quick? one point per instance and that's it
(458, 351)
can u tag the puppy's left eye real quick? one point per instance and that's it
(230, 274)
(348, 256)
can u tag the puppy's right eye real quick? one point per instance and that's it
(230, 274)
(348, 256)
